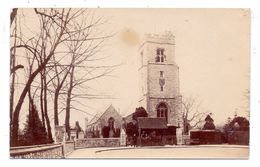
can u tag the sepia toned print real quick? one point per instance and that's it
(129, 83)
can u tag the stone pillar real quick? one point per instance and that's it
(179, 136)
(122, 137)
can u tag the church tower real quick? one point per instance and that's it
(159, 78)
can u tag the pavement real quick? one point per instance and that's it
(164, 152)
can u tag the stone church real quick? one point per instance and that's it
(159, 78)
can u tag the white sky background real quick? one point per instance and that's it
(212, 51)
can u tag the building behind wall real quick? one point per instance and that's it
(95, 126)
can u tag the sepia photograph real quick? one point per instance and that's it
(129, 83)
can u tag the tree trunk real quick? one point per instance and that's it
(15, 120)
(12, 66)
(16, 113)
(41, 103)
(56, 117)
(45, 100)
(13, 15)
(67, 118)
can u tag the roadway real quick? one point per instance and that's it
(165, 152)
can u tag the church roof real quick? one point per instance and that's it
(99, 115)
(151, 123)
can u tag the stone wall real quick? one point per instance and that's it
(97, 142)
(170, 76)
(38, 151)
(69, 147)
(50, 151)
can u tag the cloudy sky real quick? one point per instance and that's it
(212, 51)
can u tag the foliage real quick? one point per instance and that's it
(139, 112)
(209, 124)
(131, 129)
(34, 133)
(237, 124)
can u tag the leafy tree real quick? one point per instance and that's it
(209, 124)
(237, 124)
(34, 132)
(139, 112)
(131, 129)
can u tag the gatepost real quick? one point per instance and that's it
(179, 136)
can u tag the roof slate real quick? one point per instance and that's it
(151, 123)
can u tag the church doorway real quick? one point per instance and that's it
(162, 111)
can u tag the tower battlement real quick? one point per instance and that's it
(164, 38)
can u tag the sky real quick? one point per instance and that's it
(212, 51)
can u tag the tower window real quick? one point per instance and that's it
(162, 51)
(161, 88)
(157, 59)
(161, 73)
(160, 57)
(158, 51)
(162, 111)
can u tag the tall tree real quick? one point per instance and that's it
(139, 112)
(53, 30)
(33, 132)
(209, 123)
(192, 115)
(63, 41)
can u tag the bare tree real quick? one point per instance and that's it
(58, 87)
(81, 46)
(83, 49)
(57, 29)
(53, 30)
(192, 115)
(13, 15)
(13, 66)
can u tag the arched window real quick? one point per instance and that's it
(162, 110)
(110, 122)
(111, 132)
